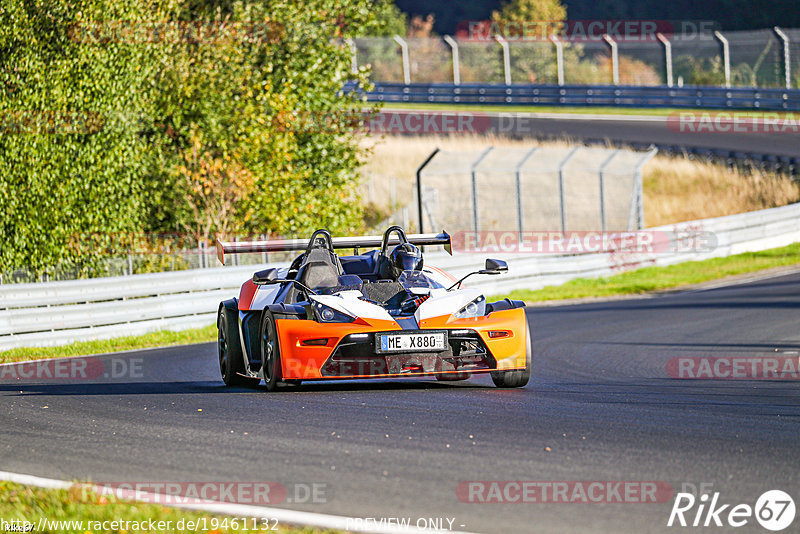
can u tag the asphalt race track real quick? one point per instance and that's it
(655, 130)
(601, 400)
(632, 129)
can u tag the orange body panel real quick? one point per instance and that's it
(247, 294)
(301, 362)
(510, 352)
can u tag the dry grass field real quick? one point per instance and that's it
(676, 189)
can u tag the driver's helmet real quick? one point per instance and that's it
(405, 257)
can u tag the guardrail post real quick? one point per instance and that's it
(601, 178)
(506, 59)
(518, 176)
(473, 172)
(726, 57)
(456, 66)
(406, 65)
(561, 201)
(667, 56)
(354, 52)
(614, 58)
(787, 56)
(419, 186)
(559, 58)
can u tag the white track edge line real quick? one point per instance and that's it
(282, 515)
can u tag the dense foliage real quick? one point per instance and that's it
(730, 14)
(120, 120)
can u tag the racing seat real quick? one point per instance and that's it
(318, 270)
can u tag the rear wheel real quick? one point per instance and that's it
(518, 378)
(270, 351)
(231, 362)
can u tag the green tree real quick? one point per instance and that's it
(531, 11)
(182, 113)
(271, 105)
(73, 147)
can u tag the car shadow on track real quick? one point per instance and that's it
(205, 388)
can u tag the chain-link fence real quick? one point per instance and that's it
(527, 189)
(739, 59)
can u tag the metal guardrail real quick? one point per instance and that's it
(734, 234)
(741, 98)
(57, 313)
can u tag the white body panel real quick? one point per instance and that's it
(349, 302)
(445, 303)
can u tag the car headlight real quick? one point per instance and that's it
(326, 314)
(475, 308)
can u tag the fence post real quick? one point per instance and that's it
(456, 67)
(406, 66)
(419, 186)
(667, 56)
(559, 58)
(614, 58)
(518, 173)
(506, 58)
(787, 56)
(601, 178)
(354, 51)
(473, 172)
(726, 57)
(561, 187)
(637, 202)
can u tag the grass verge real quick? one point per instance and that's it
(578, 110)
(88, 510)
(85, 348)
(650, 279)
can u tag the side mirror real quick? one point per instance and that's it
(492, 267)
(267, 276)
(495, 267)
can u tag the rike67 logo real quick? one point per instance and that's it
(774, 510)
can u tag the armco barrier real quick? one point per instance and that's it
(748, 98)
(55, 313)
(61, 312)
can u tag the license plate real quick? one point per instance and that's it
(433, 341)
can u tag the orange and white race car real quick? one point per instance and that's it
(379, 314)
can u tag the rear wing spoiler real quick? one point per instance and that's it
(367, 241)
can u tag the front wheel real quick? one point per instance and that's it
(270, 351)
(517, 378)
(231, 362)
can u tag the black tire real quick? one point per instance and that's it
(270, 351)
(229, 349)
(519, 378)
